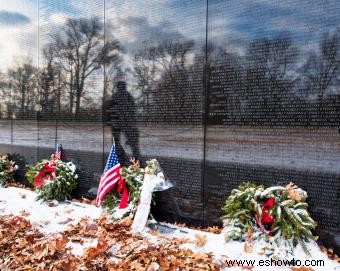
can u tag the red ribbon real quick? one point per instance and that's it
(122, 189)
(267, 218)
(46, 174)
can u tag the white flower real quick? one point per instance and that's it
(71, 166)
(76, 176)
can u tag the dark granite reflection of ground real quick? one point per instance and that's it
(291, 148)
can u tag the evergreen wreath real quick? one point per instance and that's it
(273, 213)
(133, 176)
(53, 179)
(7, 169)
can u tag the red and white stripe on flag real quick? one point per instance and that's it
(107, 182)
(58, 152)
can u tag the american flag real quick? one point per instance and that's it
(110, 177)
(58, 151)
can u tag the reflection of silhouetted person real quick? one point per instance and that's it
(124, 121)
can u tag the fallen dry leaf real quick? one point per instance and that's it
(92, 252)
(68, 265)
(45, 222)
(36, 251)
(250, 234)
(60, 243)
(261, 251)
(248, 247)
(211, 229)
(91, 227)
(153, 267)
(24, 213)
(201, 240)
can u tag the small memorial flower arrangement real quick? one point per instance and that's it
(133, 177)
(140, 184)
(53, 178)
(7, 169)
(154, 180)
(272, 214)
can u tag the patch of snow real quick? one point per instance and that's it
(78, 248)
(18, 201)
(22, 202)
(234, 250)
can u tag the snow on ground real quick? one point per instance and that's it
(17, 201)
(55, 217)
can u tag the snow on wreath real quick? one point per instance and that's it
(7, 169)
(53, 179)
(277, 215)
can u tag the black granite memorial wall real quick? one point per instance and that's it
(220, 92)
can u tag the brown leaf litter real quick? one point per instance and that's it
(22, 247)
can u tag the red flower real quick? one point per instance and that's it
(270, 203)
(266, 216)
(267, 219)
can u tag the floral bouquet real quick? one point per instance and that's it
(154, 180)
(141, 183)
(53, 178)
(7, 169)
(133, 177)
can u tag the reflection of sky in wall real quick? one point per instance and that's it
(18, 32)
(133, 21)
(136, 21)
(304, 20)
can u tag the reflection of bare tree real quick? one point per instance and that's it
(165, 77)
(267, 83)
(80, 51)
(23, 83)
(5, 105)
(320, 69)
(225, 74)
(145, 72)
(269, 77)
(50, 80)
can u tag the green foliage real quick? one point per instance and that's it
(291, 218)
(111, 201)
(7, 169)
(240, 209)
(58, 188)
(133, 176)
